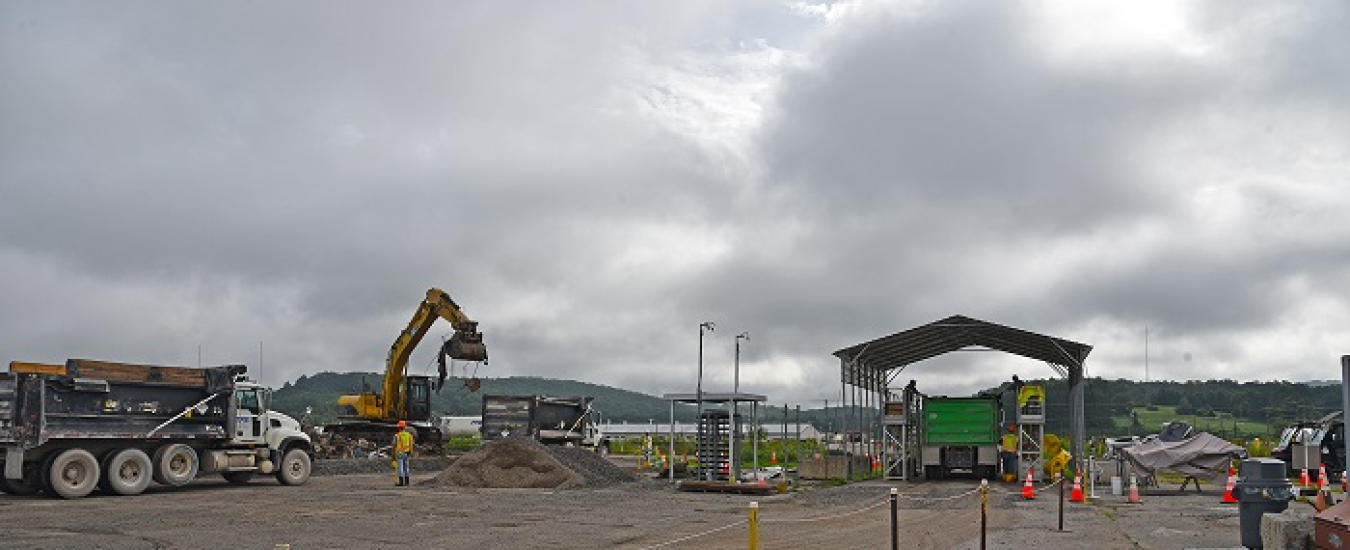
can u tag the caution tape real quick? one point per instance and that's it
(823, 518)
(938, 499)
(697, 535)
(1045, 487)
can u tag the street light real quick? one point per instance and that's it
(708, 326)
(698, 399)
(736, 406)
(736, 383)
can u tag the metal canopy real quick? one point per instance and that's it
(959, 332)
(866, 366)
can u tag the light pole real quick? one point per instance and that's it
(706, 326)
(736, 407)
(698, 396)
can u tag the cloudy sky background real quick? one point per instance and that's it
(592, 180)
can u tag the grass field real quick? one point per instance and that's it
(1225, 426)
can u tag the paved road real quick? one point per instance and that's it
(366, 511)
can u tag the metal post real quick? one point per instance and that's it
(698, 398)
(1345, 392)
(895, 523)
(754, 525)
(984, 512)
(1061, 502)
(670, 459)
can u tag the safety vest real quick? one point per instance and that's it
(403, 442)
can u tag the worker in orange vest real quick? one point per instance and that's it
(403, 446)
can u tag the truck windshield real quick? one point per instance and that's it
(248, 399)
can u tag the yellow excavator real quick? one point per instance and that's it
(375, 416)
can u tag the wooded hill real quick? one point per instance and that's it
(1113, 407)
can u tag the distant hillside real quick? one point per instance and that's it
(1110, 404)
(320, 393)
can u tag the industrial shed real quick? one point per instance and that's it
(868, 368)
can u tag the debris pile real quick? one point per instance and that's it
(520, 463)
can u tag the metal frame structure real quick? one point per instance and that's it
(733, 399)
(867, 369)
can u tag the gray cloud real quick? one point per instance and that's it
(591, 183)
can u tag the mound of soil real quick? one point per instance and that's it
(523, 463)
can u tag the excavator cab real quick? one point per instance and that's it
(419, 398)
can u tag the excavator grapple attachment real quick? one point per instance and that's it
(466, 346)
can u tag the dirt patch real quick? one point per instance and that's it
(522, 463)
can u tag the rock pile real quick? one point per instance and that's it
(518, 462)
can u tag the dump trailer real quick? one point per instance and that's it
(960, 435)
(550, 420)
(67, 430)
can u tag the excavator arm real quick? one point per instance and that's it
(466, 344)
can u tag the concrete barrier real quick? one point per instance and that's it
(1291, 529)
(833, 467)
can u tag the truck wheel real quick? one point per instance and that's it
(175, 465)
(237, 478)
(127, 472)
(294, 468)
(74, 473)
(29, 485)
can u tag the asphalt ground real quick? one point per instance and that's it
(368, 511)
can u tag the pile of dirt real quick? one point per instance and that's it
(520, 463)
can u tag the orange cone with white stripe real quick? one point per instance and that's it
(1076, 495)
(1232, 484)
(1028, 491)
(1322, 477)
(1303, 478)
(1134, 490)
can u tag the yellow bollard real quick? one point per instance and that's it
(754, 525)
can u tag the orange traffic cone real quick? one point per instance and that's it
(1303, 478)
(1134, 490)
(1343, 488)
(1322, 477)
(773, 457)
(1232, 483)
(1076, 495)
(1028, 492)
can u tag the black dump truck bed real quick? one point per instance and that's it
(97, 399)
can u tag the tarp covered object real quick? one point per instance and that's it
(1202, 455)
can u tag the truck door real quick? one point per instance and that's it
(249, 417)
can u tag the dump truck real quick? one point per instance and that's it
(569, 421)
(66, 430)
(960, 435)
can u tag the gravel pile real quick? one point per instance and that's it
(517, 462)
(350, 466)
(597, 470)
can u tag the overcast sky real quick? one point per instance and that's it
(591, 180)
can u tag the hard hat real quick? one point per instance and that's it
(402, 424)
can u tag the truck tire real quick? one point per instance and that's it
(126, 472)
(237, 478)
(175, 465)
(73, 474)
(29, 485)
(294, 468)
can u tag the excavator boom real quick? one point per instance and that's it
(466, 344)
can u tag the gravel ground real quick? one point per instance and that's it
(367, 511)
